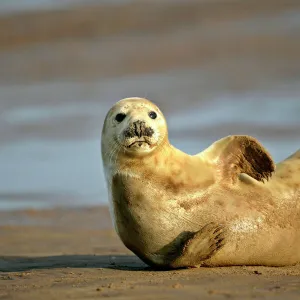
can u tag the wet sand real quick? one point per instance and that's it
(75, 254)
(244, 44)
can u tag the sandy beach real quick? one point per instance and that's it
(214, 67)
(75, 254)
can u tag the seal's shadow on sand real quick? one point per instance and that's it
(118, 262)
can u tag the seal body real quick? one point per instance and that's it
(228, 205)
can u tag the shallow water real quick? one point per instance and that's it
(13, 6)
(50, 152)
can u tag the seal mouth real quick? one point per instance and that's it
(138, 144)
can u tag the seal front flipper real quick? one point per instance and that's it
(237, 154)
(190, 249)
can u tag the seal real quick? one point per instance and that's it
(228, 205)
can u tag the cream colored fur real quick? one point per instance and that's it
(158, 192)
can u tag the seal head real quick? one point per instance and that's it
(136, 127)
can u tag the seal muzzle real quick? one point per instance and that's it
(138, 129)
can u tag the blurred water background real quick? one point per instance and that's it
(215, 67)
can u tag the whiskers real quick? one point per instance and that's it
(112, 155)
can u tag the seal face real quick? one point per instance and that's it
(137, 127)
(226, 205)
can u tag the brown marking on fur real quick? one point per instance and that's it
(168, 183)
(139, 197)
(189, 204)
(147, 175)
(220, 202)
(178, 185)
(174, 186)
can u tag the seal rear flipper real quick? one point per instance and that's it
(237, 154)
(190, 249)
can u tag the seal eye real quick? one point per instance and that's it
(120, 117)
(152, 115)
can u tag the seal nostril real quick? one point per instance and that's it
(148, 131)
(139, 129)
